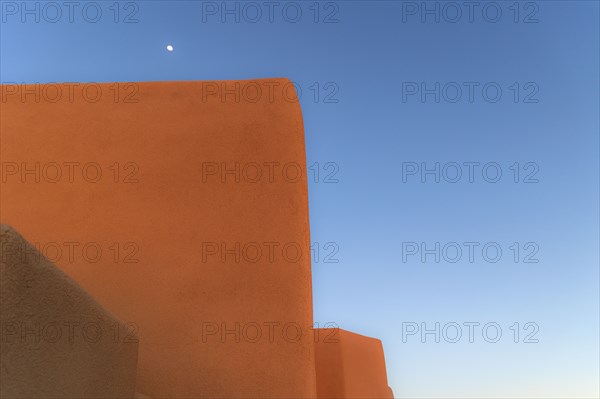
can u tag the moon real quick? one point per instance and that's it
(170, 48)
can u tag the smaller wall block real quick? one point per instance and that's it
(350, 365)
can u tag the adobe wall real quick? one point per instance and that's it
(55, 340)
(350, 365)
(139, 174)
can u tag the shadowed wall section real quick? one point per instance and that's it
(56, 341)
(182, 207)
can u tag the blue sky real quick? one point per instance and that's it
(363, 67)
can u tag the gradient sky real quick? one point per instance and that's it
(363, 125)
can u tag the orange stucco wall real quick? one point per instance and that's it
(204, 261)
(350, 365)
